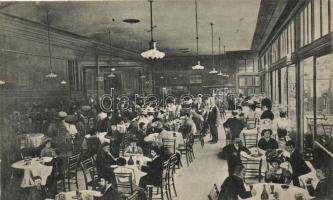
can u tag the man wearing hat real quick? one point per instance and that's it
(133, 149)
(267, 142)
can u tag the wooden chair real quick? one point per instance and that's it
(328, 130)
(252, 169)
(89, 173)
(250, 140)
(185, 151)
(172, 170)
(214, 193)
(159, 192)
(71, 172)
(251, 123)
(169, 146)
(125, 185)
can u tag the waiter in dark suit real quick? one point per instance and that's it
(235, 125)
(104, 160)
(232, 154)
(233, 186)
(297, 162)
(153, 169)
(212, 121)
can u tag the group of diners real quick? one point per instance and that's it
(285, 163)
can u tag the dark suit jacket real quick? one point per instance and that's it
(322, 190)
(212, 116)
(103, 165)
(232, 187)
(102, 125)
(35, 194)
(235, 125)
(229, 151)
(266, 102)
(271, 144)
(267, 114)
(298, 164)
(154, 170)
(110, 194)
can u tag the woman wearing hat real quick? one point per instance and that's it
(277, 174)
(266, 142)
(47, 151)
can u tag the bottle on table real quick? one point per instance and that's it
(130, 161)
(264, 194)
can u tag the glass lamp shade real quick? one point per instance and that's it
(112, 75)
(51, 75)
(2, 82)
(153, 53)
(220, 74)
(213, 71)
(198, 66)
(226, 75)
(63, 82)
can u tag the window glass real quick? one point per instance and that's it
(305, 18)
(325, 8)
(249, 65)
(241, 66)
(292, 98)
(302, 28)
(293, 35)
(316, 5)
(324, 103)
(284, 86)
(241, 81)
(249, 81)
(255, 65)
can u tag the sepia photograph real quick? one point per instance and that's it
(166, 99)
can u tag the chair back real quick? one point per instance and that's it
(89, 171)
(124, 183)
(327, 129)
(251, 123)
(213, 193)
(169, 145)
(172, 165)
(72, 162)
(250, 140)
(252, 169)
(165, 173)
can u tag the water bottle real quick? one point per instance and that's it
(264, 194)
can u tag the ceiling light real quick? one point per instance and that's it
(198, 66)
(131, 21)
(112, 75)
(51, 74)
(213, 71)
(2, 82)
(63, 82)
(161, 77)
(220, 74)
(153, 53)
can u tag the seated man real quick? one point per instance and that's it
(235, 125)
(232, 154)
(104, 160)
(266, 142)
(153, 169)
(108, 190)
(133, 148)
(323, 189)
(277, 174)
(233, 186)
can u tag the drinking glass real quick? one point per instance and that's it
(272, 189)
(251, 187)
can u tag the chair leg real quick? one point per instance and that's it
(174, 186)
(69, 183)
(192, 152)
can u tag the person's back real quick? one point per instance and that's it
(235, 125)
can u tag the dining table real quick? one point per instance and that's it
(139, 160)
(85, 194)
(33, 167)
(279, 191)
(30, 140)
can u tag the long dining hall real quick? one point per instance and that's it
(166, 99)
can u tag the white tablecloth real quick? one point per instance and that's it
(30, 140)
(86, 195)
(35, 168)
(287, 194)
(122, 128)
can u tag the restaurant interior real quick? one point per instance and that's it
(89, 84)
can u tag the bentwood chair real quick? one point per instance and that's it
(214, 193)
(89, 173)
(185, 151)
(161, 191)
(71, 172)
(251, 123)
(252, 170)
(250, 140)
(125, 185)
(169, 146)
(172, 169)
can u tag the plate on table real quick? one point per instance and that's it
(114, 166)
(256, 155)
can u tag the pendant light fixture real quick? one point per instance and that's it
(111, 75)
(2, 82)
(213, 63)
(153, 53)
(51, 74)
(220, 73)
(197, 66)
(225, 53)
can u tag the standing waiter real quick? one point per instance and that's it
(213, 121)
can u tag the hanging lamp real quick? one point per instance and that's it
(224, 52)
(213, 71)
(152, 53)
(198, 66)
(220, 73)
(51, 74)
(111, 75)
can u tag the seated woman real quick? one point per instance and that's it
(56, 174)
(153, 169)
(104, 160)
(133, 148)
(282, 126)
(47, 151)
(277, 174)
(322, 191)
(266, 142)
